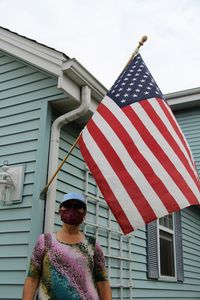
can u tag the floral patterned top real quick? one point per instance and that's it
(67, 271)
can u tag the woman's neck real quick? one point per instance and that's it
(70, 234)
(70, 229)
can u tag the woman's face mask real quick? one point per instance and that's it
(70, 214)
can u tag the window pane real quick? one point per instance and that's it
(167, 221)
(166, 254)
(161, 221)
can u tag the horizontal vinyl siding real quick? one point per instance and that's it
(71, 176)
(189, 120)
(22, 90)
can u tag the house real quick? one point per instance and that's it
(44, 101)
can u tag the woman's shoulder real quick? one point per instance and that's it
(45, 238)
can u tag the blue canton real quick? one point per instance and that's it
(134, 84)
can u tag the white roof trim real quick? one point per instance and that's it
(32, 52)
(184, 99)
(50, 60)
(78, 73)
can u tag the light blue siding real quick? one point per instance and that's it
(189, 121)
(24, 139)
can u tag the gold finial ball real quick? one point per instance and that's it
(143, 40)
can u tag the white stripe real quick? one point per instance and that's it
(147, 154)
(165, 120)
(130, 166)
(113, 181)
(139, 110)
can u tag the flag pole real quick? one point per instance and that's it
(45, 189)
(141, 43)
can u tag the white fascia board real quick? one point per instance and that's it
(184, 99)
(32, 52)
(71, 74)
(78, 73)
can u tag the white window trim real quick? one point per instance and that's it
(172, 231)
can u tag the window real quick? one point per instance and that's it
(164, 248)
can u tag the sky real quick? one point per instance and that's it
(102, 35)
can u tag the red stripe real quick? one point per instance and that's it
(160, 154)
(175, 125)
(155, 118)
(129, 184)
(105, 189)
(140, 161)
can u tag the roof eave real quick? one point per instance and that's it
(184, 99)
(49, 60)
(30, 51)
(82, 76)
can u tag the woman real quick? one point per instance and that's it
(67, 265)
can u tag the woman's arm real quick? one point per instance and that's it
(30, 288)
(35, 268)
(104, 290)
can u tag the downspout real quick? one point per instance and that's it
(54, 150)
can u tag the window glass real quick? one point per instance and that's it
(166, 254)
(166, 246)
(167, 221)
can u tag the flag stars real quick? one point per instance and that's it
(135, 83)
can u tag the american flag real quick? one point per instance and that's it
(137, 153)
